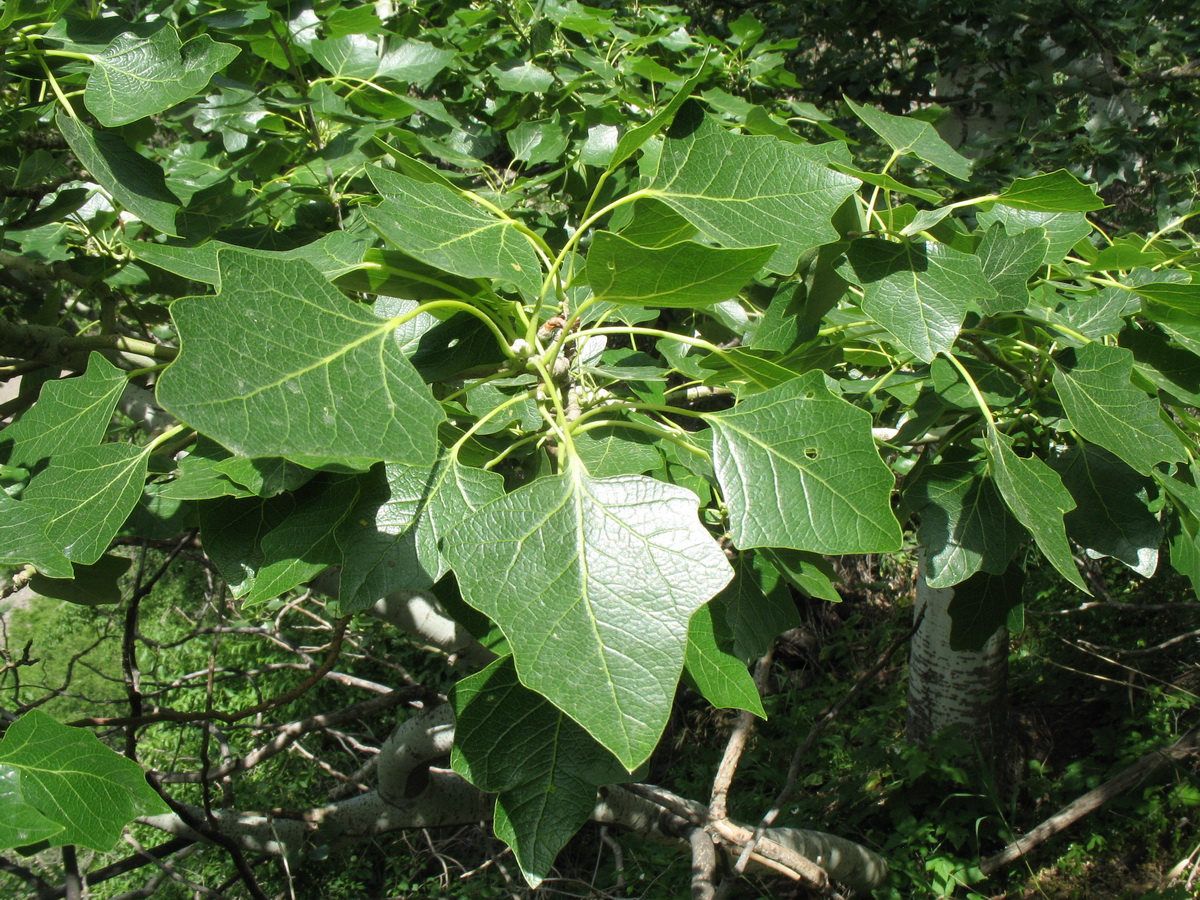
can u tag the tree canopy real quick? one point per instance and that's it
(578, 343)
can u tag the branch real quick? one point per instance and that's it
(413, 793)
(1092, 800)
(295, 730)
(56, 347)
(174, 715)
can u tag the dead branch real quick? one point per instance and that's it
(1093, 800)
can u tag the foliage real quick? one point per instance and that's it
(517, 304)
(1098, 87)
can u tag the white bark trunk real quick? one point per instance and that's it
(961, 689)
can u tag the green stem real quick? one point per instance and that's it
(490, 414)
(962, 370)
(648, 429)
(54, 86)
(504, 342)
(648, 332)
(164, 437)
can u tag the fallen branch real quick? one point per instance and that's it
(1093, 800)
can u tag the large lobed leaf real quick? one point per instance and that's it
(749, 190)
(326, 380)
(139, 76)
(798, 468)
(61, 784)
(593, 582)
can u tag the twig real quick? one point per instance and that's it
(175, 715)
(820, 725)
(718, 806)
(1092, 800)
(297, 729)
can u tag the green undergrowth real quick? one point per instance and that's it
(1078, 719)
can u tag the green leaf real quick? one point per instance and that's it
(1057, 191)
(414, 61)
(1106, 409)
(1063, 229)
(538, 142)
(735, 628)
(304, 544)
(24, 539)
(383, 548)
(324, 379)
(73, 780)
(1036, 496)
(748, 190)
(139, 76)
(809, 573)
(912, 136)
(981, 605)
(593, 582)
(965, 526)
(632, 140)
(798, 468)
(657, 225)
(613, 450)
(439, 227)
(232, 532)
(366, 57)
(919, 292)
(524, 78)
(91, 585)
(1170, 368)
(69, 413)
(90, 491)
(721, 677)
(1110, 517)
(134, 181)
(544, 768)
(20, 823)
(686, 274)
(1008, 262)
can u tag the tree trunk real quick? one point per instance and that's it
(963, 690)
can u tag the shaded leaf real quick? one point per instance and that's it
(686, 274)
(91, 585)
(1036, 496)
(981, 605)
(134, 181)
(965, 526)
(544, 768)
(1110, 518)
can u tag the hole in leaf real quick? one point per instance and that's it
(811, 452)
